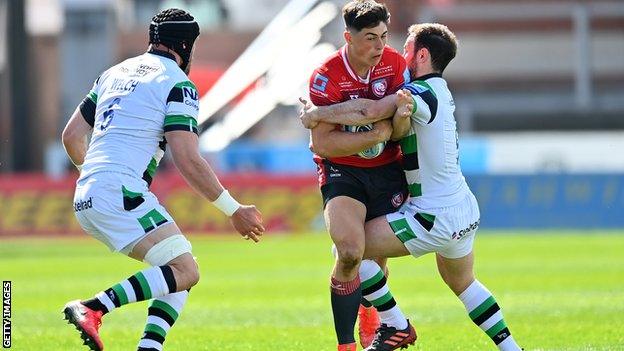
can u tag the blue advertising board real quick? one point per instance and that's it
(550, 200)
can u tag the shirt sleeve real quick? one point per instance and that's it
(425, 102)
(89, 103)
(323, 91)
(182, 108)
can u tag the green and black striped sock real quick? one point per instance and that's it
(161, 315)
(485, 313)
(376, 291)
(147, 284)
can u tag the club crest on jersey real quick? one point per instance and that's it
(397, 200)
(379, 87)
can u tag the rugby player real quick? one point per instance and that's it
(132, 112)
(357, 182)
(441, 214)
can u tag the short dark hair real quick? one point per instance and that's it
(360, 14)
(438, 39)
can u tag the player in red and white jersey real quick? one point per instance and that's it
(360, 174)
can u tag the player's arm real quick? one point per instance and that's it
(181, 133)
(401, 122)
(75, 138)
(327, 141)
(247, 220)
(79, 127)
(357, 112)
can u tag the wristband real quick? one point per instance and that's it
(226, 203)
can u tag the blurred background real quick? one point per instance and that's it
(538, 85)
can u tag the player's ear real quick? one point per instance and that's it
(347, 36)
(423, 54)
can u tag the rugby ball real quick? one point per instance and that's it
(371, 152)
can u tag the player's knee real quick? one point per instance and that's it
(350, 256)
(458, 284)
(175, 251)
(192, 276)
(186, 273)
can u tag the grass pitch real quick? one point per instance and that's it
(558, 291)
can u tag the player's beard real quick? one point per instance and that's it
(187, 69)
(413, 68)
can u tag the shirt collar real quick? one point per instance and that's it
(162, 53)
(430, 75)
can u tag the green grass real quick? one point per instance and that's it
(558, 291)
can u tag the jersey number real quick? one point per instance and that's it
(457, 145)
(109, 114)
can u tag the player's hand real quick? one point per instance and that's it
(247, 221)
(404, 103)
(401, 120)
(306, 114)
(383, 130)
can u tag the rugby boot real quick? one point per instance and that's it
(347, 347)
(368, 323)
(389, 338)
(87, 322)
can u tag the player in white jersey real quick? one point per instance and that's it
(134, 110)
(442, 214)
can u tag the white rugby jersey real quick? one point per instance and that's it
(431, 148)
(137, 101)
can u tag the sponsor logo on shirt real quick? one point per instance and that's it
(345, 85)
(191, 97)
(320, 82)
(382, 70)
(190, 92)
(144, 70)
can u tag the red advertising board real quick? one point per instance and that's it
(36, 205)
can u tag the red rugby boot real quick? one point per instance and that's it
(368, 323)
(87, 322)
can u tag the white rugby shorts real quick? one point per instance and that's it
(117, 209)
(449, 231)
